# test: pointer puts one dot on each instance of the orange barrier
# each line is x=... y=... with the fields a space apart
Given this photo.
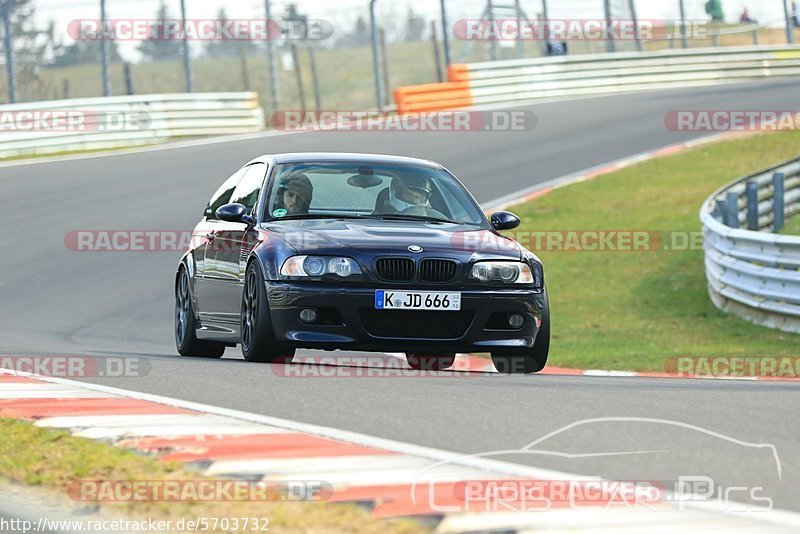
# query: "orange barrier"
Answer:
x=456 y=93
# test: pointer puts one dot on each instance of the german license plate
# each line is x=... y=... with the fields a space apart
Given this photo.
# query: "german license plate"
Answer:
x=388 y=299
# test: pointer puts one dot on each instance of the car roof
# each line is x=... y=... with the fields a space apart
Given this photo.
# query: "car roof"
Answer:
x=318 y=157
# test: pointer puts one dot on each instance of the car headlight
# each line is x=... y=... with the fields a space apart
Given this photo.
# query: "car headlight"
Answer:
x=316 y=266
x=508 y=272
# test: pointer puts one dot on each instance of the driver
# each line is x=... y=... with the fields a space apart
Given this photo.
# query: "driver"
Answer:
x=404 y=194
x=295 y=194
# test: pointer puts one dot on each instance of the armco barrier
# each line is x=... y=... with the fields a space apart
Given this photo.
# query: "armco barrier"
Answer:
x=122 y=121
x=752 y=272
x=508 y=82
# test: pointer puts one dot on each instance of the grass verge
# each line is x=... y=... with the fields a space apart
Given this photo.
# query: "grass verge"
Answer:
x=635 y=310
x=792 y=226
x=51 y=459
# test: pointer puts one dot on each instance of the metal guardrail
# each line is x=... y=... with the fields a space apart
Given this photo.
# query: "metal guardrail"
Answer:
x=121 y=121
x=509 y=82
x=752 y=272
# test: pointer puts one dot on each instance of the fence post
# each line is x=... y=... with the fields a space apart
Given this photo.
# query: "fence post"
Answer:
x=65 y=88
x=636 y=29
x=126 y=71
x=273 y=71
x=312 y=58
x=789 y=23
x=376 y=60
x=436 y=54
x=492 y=42
x=752 y=205
x=732 y=209
x=610 y=44
x=684 y=38
x=445 y=34
x=520 y=22
x=778 y=206
x=385 y=61
x=105 y=52
x=187 y=59
x=301 y=93
x=9 y=50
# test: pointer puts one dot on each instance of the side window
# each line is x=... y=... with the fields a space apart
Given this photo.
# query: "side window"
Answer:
x=223 y=195
x=247 y=191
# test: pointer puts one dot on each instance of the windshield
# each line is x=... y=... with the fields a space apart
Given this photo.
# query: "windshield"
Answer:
x=385 y=191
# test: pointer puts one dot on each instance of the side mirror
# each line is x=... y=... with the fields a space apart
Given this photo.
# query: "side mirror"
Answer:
x=504 y=220
x=236 y=213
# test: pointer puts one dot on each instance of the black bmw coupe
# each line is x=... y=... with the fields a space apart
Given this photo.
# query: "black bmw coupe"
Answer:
x=358 y=252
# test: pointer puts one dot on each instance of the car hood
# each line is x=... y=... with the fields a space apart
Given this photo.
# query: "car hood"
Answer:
x=375 y=237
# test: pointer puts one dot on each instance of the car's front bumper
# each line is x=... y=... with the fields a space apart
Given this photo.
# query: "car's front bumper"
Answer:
x=358 y=328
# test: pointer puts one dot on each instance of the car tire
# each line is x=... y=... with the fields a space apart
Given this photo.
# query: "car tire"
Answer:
x=186 y=324
x=258 y=339
x=531 y=360
x=440 y=362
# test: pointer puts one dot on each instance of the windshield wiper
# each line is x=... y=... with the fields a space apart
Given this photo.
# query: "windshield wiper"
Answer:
x=312 y=216
x=391 y=217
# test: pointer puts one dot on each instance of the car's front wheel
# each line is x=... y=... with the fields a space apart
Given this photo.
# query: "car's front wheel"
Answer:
x=420 y=362
x=530 y=360
x=258 y=339
x=186 y=324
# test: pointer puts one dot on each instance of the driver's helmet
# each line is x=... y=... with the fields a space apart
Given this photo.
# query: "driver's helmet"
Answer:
x=420 y=188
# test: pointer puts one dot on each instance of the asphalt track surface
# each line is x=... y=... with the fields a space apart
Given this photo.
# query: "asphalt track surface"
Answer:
x=54 y=301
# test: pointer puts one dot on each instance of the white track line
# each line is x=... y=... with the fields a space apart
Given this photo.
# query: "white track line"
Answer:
x=776 y=517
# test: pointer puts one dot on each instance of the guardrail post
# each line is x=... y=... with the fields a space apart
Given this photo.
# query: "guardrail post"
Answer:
x=778 y=206
x=722 y=211
x=752 y=206
x=755 y=36
x=732 y=209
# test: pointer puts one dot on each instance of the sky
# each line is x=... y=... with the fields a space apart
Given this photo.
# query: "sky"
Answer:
x=342 y=13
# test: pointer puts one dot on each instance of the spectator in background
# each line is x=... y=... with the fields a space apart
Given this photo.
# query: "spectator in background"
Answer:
x=745 y=17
